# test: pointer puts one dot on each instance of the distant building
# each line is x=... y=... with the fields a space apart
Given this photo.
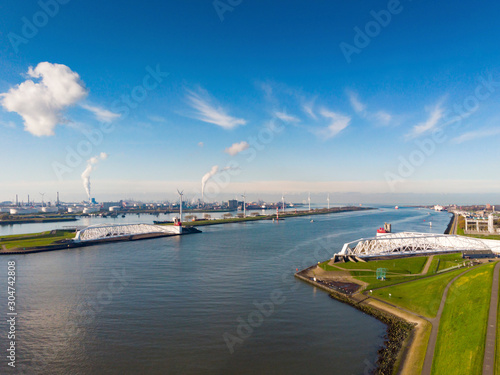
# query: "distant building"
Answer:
x=488 y=207
x=232 y=204
x=107 y=205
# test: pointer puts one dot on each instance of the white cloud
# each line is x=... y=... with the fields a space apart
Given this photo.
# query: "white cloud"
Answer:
x=308 y=107
x=283 y=116
x=435 y=116
x=211 y=113
x=356 y=104
x=41 y=104
x=381 y=117
x=201 y=144
x=477 y=134
x=100 y=113
x=157 y=118
x=236 y=148
x=338 y=123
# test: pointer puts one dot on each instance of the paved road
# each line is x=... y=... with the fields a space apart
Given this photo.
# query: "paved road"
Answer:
x=429 y=355
x=491 y=332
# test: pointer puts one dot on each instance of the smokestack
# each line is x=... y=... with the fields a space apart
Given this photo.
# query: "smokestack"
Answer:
x=28 y=199
x=57 y=204
x=17 y=201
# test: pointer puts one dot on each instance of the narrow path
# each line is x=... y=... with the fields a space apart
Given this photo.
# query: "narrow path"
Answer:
x=429 y=355
x=427 y=265
x=491 y=330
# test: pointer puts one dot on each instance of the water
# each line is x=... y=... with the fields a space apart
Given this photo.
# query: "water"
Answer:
x=163 y=306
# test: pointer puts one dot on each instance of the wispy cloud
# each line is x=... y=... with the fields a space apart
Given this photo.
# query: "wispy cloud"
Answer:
x=283 y=116
x=157 y=118
x=383 y=117
x=436 y=113
x=380 y=117
x=210 y=112
x=236 y=148
x=308 y=107
x=100 y=113
x=476 y=134
x=356 y=104
x=338 y=122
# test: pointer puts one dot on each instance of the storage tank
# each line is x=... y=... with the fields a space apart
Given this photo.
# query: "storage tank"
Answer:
x=50 y=209
x=89 y=210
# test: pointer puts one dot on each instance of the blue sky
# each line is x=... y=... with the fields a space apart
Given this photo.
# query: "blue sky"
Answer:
x=265 y=91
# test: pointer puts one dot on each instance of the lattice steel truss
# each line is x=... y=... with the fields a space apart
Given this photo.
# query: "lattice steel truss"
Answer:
x=104 y=231
x=409 y=242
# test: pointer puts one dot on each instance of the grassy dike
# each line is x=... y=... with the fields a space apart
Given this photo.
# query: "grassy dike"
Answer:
x=25 y=241
x=414 y=299
x=497 y=361
x=462 y=330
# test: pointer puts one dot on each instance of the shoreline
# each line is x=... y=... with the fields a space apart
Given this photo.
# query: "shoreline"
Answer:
x=400 y=334
x=405 y=330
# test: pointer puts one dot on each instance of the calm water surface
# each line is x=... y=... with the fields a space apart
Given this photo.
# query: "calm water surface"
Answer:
x=165 y=306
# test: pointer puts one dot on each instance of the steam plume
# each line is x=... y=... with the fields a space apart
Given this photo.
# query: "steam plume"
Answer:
x=90 y=167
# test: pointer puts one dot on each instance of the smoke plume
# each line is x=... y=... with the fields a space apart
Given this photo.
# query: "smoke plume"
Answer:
x=215 y=170
x=91 y=163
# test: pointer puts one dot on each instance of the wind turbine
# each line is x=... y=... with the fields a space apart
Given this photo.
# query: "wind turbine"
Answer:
x=328 y=199
x=42 y=194
x=309 y=199
x=180 y=205
x=244 y=205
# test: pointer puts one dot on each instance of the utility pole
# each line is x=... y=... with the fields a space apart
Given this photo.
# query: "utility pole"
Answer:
x=180 y=206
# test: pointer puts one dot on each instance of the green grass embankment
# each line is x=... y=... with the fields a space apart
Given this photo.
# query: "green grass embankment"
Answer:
x=421 y=296
x=442 y=262
x=35 y=239
x=462 y=330
x=398 y=270
x=410 y=265
x=497 y=357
